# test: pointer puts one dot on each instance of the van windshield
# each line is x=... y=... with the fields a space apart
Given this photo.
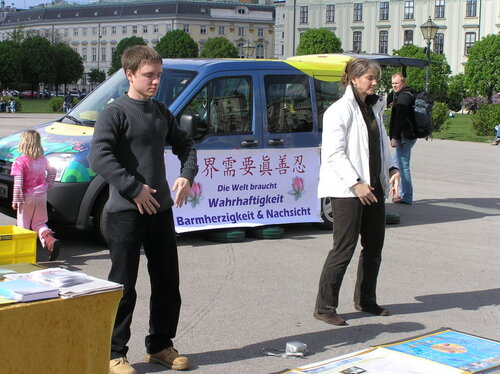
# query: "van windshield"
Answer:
x=173 y=82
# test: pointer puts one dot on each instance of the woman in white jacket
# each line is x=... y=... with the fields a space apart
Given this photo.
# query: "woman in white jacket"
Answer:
x=357 y=173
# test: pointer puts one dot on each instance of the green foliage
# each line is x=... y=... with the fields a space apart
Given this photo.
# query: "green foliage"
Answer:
x=415 y=77
x=482 y=70
x=116 y=63
x=36 y=57
x=56 y=103
x=485 y=119
x=177 y=44
x=457 y=91
x=440 y=117
x=316 y=41
x=219 y=48
x=10 y=62
x=68 y=65
x=17 y=35
x=96 y=76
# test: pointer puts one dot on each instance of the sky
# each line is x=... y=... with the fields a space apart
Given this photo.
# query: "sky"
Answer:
x=25 y=4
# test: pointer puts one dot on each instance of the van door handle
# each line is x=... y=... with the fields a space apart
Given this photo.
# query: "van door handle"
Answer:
x=275 y=142
x=249 y=143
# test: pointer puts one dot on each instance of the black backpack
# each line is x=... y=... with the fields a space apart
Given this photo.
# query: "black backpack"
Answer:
x=422 y=125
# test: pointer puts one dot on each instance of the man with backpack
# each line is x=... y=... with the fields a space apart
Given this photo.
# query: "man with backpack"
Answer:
x=402 y=135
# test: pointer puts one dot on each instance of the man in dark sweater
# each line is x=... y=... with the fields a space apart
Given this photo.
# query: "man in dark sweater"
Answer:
x=127 y=150
x=400 y=133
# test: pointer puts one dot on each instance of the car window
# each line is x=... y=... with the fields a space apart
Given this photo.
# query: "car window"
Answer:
x=288 y=101
x=173 y=82
x=222 y=106
x=326 y=94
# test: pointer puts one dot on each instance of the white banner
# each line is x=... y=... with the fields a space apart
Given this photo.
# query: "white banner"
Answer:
x=245 y=188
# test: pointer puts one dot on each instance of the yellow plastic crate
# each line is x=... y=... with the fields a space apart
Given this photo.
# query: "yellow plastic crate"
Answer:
x=17 y=245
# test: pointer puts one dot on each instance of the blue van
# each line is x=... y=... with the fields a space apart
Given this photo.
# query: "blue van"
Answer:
x=257 y=127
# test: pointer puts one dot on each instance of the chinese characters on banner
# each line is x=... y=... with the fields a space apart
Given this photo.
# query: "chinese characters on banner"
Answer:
x=244 y=188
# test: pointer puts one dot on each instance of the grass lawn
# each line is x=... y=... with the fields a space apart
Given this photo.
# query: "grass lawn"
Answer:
x=35 y=106
x=460 y=128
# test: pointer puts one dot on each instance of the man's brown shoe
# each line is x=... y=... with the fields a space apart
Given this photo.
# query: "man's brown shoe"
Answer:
x=121 y=366
x=332 y=318
x=170 y=358
x=372 y=309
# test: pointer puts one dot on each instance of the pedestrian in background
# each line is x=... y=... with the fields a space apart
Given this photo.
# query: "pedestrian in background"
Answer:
x=127 y=150
x=402 y=138
x=356 y=173
x=33 y=176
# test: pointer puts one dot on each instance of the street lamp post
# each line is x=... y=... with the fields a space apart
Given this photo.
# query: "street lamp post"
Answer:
x=247 y=49
x=429 y=30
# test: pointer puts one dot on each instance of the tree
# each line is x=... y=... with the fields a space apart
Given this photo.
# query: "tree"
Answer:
x=116 y=63
x=415 y=77
x=219 y=48
x=482 y=70
x=315 y=41
x=10 y=63
x=177 y=44
x=457 y=91
x=17 y=35
x=37 y=57
x=96 y=76
x=69 y=64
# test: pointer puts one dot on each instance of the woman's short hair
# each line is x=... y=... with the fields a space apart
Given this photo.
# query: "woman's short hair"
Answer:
x=357 y=67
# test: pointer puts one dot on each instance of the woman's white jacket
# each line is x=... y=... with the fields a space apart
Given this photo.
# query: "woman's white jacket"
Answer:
x=344 y=148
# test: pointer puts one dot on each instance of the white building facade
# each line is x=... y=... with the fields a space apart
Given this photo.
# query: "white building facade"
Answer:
x=94 y=30
x=378 y=26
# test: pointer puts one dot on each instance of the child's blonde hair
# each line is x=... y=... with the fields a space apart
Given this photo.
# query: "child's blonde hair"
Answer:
x=31 y=144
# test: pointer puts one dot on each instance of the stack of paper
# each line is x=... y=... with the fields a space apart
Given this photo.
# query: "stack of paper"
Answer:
x=25 y=290
x=58 y=277
x=90 y=286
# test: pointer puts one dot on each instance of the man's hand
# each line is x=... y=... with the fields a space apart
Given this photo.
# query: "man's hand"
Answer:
x=365 y=194
x=394 y=183
x=145 y=200
x=182 y=187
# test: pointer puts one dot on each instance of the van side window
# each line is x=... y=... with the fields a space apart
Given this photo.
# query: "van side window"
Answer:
x=223 y=106
x=326 y=94
x=288 y=102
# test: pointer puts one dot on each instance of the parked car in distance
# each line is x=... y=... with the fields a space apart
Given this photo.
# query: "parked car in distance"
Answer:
x=27 y=94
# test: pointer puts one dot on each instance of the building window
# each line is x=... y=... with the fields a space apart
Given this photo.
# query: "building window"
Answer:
x=144 y=29
x=439 y=9
x=155 y=29
x=439 y=43
x=75 y=31
x=259 y=51
x=384 y=11
x=471 y=8
x=66 y=32
x=222 y=30
x=94 y=54
x=83 y=80
x=103 y=30
x=134 y=29
x=304 y=14
x=203 y=29
x=124 y=29
x=84 y=53
x=241 y=31
x=330 y=13
x=470 y=39
x=408 y=37
x=113 y=29
x=94 y=30
x=356 y=41
x=358 y=12
x=260 y=32
x=168 y=28
x=409 y=9
x=84 y=31
x=113 y=49
x=383 y=41
x=185 y=28
x=103 y=53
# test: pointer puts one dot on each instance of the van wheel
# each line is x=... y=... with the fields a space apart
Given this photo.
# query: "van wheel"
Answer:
x=99 y=217
x=326 y=214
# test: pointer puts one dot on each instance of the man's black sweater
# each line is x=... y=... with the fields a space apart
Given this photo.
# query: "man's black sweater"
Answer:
x=127 y=150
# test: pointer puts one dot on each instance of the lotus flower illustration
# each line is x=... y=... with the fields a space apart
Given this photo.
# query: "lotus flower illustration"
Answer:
x=195 y=194
x=297 y=188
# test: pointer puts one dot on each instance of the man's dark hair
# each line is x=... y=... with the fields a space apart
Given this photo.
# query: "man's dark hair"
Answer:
x=136 y=56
